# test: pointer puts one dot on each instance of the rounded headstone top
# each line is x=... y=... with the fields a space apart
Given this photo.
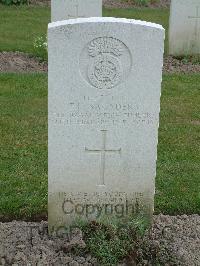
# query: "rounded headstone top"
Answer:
x=104 y=20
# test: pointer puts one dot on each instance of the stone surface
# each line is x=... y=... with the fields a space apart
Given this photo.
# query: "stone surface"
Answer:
x=184 y=34
x=104 y=101
x=68 y=9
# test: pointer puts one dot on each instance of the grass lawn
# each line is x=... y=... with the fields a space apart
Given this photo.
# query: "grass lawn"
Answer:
x=23 y=159
x=21 y=25
x=178 y=167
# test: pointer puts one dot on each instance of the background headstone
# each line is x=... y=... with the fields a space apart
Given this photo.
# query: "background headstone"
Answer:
x=184 y=32
x=104 y=101
x=69 y=9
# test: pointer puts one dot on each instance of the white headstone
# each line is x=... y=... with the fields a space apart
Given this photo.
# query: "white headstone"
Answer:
x=69 y=9
x=184 y=32
x=104 y=101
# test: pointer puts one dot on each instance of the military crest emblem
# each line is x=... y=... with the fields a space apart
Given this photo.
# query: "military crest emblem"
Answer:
x=106 y=62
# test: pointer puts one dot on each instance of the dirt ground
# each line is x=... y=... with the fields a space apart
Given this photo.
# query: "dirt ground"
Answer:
x=18 y=62
x=173 y=240
x=131 y=4
x=115 y=3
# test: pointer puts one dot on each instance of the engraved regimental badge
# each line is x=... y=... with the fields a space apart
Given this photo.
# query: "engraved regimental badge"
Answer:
x=109 y=62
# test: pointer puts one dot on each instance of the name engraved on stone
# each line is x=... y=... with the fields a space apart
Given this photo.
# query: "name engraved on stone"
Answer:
x=104 y=114
x=108 y=62
x=102 y=153
x=196 y=17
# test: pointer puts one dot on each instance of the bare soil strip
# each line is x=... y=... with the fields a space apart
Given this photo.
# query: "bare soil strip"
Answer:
x=116 y=3
x=17 y=62
x=173 y=240
x=132 y=4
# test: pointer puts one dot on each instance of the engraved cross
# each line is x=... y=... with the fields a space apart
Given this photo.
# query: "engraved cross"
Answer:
x=102 y=153
x=197 y=16
x=77 y=13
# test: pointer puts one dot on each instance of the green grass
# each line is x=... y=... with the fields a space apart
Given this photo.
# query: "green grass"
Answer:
x=112 y=241
x=21 y=25
x=23 y=125
x=178 y=167
x=23 y=158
